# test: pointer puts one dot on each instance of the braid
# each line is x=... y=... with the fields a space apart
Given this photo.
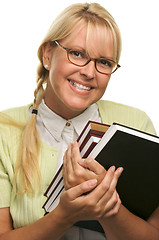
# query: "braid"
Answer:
x=27 y=166
x=38 y=93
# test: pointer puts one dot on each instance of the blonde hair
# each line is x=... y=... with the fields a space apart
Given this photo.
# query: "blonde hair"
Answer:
x=27 y=166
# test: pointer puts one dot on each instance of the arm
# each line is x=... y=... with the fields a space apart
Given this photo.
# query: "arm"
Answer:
x=54 y=224
x=48 y=227
x=125 y=225
x=74 y=206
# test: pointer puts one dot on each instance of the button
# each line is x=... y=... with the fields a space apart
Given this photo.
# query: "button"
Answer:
x=68 y=124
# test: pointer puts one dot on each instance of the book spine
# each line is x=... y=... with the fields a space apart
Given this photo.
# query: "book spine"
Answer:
x=56 y=200
x=54 y=182
x=89 y=149
x=87 y=137
x=55 y=193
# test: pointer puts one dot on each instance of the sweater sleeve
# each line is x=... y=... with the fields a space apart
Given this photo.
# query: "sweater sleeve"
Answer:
x=5 y=183
x=114 y=112
x=9 y=144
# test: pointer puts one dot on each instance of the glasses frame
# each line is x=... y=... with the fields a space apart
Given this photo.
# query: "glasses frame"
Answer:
x=91 y=59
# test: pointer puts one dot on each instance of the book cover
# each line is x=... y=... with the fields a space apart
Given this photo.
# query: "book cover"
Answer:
x=138 y=153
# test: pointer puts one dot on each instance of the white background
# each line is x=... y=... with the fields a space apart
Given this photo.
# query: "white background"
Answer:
x=24 y=23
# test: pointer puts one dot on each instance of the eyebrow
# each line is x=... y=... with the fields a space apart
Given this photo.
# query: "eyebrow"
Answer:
x=84 y=50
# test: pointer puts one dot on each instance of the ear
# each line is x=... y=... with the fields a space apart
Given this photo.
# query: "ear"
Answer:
x=47 y=55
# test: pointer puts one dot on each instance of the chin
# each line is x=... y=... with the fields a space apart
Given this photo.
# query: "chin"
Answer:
x=78 y=109
x=79 y=106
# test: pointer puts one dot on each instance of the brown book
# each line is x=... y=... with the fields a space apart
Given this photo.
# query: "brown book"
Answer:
x=94 y=129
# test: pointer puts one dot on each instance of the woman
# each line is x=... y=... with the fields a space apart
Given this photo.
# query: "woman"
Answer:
x=77 y=57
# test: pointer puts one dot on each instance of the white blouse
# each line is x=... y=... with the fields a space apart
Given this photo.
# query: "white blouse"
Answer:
x=58 y=132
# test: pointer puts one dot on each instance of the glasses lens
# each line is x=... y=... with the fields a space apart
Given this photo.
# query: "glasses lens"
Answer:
x=80 y=58
x=105 y=66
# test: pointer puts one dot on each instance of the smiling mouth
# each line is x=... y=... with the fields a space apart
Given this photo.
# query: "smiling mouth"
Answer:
x=80 y=86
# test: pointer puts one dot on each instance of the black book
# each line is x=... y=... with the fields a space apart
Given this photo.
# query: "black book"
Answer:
x=138 y=153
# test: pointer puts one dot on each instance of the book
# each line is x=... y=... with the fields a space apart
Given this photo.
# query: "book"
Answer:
x=54 y=183
x=89 y=145
x=93 y=129
x=89 y=137
x=53 y=192
x=138 y=153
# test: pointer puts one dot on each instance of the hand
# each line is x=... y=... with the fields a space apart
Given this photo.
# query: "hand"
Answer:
x=102 y=202
x=77 y=170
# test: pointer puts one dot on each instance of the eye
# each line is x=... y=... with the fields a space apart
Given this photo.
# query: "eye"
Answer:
x=76 y=54
x=105 y=63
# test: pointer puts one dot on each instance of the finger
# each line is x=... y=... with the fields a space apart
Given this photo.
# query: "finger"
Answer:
x=64 y=165
x=113 y=210
x=68 y=157
x=108 y=178
x=110 y=204
x=67 y=164
x=76 y=170
x=109 y=187
x=76 y=156
x=110 y=181
x=117 y=174
x=104 y=186
x=92 y=165
x=80 y=189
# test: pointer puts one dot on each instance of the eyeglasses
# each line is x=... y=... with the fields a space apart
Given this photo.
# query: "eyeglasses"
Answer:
x=81 y=58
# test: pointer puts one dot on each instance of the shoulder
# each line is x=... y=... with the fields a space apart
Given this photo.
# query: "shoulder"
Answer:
x=114 y=106
x=113 y=109
x=12 y=122
x=19 y=114
x=130 y=116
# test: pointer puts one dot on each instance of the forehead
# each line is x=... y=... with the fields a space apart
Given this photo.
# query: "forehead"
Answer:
x=98 y=41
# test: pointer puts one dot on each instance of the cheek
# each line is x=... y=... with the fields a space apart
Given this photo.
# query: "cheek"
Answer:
x=60 y=69
x=103 y=83
x=55 y=72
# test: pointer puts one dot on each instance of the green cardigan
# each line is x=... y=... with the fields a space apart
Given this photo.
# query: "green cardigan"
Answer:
x=25 y=209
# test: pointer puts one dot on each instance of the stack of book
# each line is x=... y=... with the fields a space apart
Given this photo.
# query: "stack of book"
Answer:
x=137 y=152
x=88 y=139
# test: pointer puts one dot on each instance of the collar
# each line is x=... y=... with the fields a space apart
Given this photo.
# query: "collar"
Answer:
x=91 y=113
x=56 y=124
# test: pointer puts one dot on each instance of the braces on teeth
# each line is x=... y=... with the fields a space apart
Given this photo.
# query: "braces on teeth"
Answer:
x=80 y=86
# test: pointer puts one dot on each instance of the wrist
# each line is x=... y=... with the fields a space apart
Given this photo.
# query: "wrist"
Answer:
x=62 y=218
x=111 y=216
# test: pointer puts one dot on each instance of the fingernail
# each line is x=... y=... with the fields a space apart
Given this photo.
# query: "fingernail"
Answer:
x=112 y=168
x=120 y=169
x=92 y=182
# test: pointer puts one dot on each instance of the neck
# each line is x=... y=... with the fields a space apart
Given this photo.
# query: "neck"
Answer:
x=64 y=113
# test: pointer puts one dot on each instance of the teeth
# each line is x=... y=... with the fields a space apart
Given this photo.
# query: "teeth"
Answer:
x=80 y=86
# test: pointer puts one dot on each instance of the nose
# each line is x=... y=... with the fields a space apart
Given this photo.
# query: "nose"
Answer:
x=88 y=70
